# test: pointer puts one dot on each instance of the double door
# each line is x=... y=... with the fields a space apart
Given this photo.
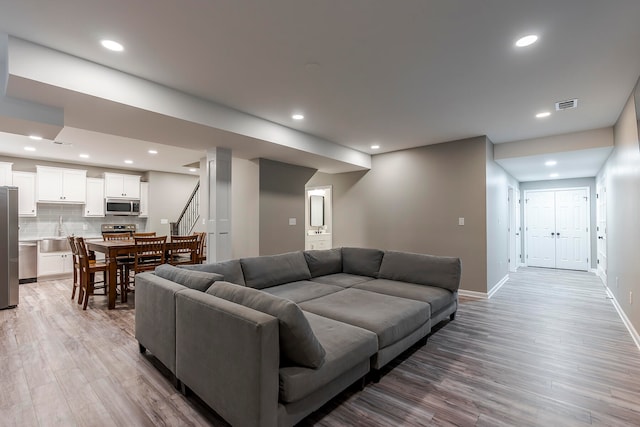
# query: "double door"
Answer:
x=557 y=228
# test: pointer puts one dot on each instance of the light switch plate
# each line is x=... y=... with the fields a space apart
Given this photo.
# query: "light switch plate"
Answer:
x=460 y=221
x=292 y=221
x=164 y=221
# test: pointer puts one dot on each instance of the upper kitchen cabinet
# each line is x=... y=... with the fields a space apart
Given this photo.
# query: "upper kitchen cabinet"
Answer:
x=26 y=183
x=95 y=197
x=144 y=199
x=5 y=174
x=121 y=186
x=58 y=185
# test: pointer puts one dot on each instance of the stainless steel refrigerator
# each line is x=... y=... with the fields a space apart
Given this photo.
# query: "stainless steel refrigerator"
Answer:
x=8 y=247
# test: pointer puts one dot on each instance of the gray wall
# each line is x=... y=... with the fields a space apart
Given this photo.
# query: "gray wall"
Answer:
x=497 y=188
x=168 y=194
x=411 y=200
x=282 y=193
x=245 y=202
x=565 y=183
x=622 y=171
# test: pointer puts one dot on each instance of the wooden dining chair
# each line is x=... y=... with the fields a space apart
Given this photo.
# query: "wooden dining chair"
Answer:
x=183 y=250
x=202 y=246
x=124 y=262
x=146 y=234
x=88 y=269
x=149 y=253
x=76 y=265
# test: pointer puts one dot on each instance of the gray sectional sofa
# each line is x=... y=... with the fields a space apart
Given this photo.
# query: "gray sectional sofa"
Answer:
x=266 y=341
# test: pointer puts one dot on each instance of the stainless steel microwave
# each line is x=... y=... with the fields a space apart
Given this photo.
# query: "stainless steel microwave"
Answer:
x=122 y=207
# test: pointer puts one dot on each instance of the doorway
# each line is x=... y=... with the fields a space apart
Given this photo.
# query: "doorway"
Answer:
x=514 y=242
x=557 y=228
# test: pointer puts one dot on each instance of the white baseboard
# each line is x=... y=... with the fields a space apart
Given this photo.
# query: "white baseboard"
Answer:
x=594 y=271
x=625 y=319
x=472 y=294
x=497 y=286
x=484 y=295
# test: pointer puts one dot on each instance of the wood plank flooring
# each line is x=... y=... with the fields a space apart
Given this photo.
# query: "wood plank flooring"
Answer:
x=547 y=350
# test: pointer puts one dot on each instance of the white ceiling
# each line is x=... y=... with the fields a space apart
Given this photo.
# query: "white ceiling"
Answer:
x=397 y=74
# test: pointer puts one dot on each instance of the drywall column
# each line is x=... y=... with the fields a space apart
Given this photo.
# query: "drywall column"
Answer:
x=219 y=212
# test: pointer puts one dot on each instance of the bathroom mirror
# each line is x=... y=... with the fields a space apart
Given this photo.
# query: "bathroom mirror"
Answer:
x=316 y=208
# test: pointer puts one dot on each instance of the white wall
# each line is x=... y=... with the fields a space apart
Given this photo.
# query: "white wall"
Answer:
x=497 y=237
x=168 y=195
x=622 y=171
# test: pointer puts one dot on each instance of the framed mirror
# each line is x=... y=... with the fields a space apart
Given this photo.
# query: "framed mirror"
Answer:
x=316 y=208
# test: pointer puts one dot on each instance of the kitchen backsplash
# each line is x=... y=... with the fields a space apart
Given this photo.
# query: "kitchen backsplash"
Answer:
x=46 y=224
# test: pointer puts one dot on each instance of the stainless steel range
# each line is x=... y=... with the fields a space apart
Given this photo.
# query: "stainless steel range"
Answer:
x=118 y=228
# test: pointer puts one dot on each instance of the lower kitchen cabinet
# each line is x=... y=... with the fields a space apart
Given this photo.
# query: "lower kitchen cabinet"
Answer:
x=54 y=263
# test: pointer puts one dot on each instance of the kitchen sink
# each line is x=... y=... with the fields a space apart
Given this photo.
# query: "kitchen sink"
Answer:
x=56 y=244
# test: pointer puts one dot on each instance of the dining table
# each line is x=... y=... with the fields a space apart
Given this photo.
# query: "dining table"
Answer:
x=112 y=249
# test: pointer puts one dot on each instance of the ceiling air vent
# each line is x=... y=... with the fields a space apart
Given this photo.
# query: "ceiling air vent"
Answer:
x=566 y=105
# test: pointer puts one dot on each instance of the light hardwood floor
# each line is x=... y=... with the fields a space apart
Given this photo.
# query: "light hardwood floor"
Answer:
x=547 y=350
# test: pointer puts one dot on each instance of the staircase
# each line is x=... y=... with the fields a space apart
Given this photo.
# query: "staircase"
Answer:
x=189 y=216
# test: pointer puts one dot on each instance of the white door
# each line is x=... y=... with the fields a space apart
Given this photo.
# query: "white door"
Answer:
x=540 y=226
x=518 y=229
x=557 y=229
x=572 y=229
x=601 y=219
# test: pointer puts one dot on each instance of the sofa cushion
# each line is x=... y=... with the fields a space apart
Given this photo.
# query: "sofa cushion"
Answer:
x=324 y=262
x=198 y=280
x=301 y=291
x=265 y=271
x=298 y=343
x=346 y=346
x=440 y=271
x=344 y=280
x=231 y=270
x=361 y=261
x=391 y=318
x=438 y=298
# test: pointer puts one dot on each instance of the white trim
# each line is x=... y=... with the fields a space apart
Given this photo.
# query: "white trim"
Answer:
x=472 y=294
x=625 y=319
x=594 y=271
x=525 y=236
x=497 y=286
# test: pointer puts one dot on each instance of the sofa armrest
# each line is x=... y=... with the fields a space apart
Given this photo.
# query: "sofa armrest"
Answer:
x=156 y=316
x=228 y=354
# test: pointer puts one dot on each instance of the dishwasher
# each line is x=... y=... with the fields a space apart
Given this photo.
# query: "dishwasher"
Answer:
x=27 y=262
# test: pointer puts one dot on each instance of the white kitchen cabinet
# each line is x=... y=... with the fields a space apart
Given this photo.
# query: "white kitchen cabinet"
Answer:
x=5 y=174
x=58 y=185
x=118 y=186
x=95 y=197
x=144 y=199
x=54 y=263
x=26 y=183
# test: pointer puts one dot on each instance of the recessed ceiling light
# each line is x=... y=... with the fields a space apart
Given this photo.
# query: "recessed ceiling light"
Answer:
x=553 y=175
x=550 y=163
x=30 y=148
x=375 y=147
x=152 y=151
x=35 y=137
x=111 y=45
x=192 y=169
x=297 y=117
x=129 y=162
x=527 y=40
x=543 y=114
x=84 y=156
